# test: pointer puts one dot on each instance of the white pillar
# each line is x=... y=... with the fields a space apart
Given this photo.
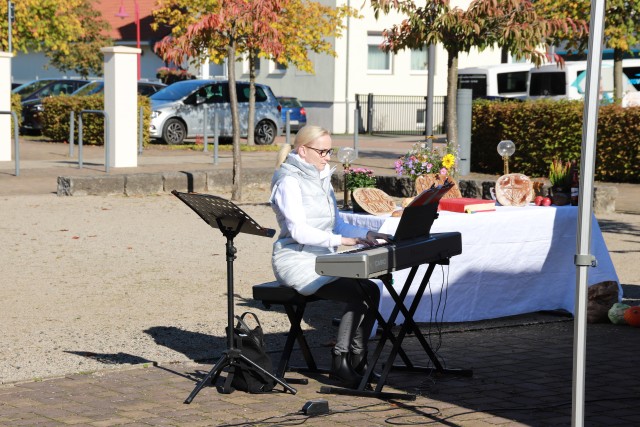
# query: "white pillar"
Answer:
x=6 y=129
x=121 y=104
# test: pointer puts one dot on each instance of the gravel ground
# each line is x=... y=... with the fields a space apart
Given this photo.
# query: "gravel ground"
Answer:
x=95 y=283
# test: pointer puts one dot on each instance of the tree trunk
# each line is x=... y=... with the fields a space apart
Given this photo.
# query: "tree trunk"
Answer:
x=452 y=91
x=618 y=89
x=236 y=183
x=251 y=125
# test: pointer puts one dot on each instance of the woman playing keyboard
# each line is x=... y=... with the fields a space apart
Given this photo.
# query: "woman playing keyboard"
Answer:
x=306 y=209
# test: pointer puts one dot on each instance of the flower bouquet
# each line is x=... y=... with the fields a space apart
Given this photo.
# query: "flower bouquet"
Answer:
x=422 y=160
x=428 y=166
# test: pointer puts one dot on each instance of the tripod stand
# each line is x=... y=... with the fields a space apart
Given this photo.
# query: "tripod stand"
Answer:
x=231 y=220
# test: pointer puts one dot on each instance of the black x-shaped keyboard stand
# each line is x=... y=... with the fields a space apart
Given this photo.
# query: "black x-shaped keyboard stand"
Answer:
x=396 y=340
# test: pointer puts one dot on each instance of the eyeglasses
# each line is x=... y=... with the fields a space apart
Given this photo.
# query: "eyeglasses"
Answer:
x=323 y=153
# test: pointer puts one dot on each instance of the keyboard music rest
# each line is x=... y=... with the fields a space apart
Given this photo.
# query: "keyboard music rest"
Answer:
x=379 y=260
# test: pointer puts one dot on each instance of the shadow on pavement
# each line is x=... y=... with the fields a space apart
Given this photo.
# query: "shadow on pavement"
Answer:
x=194 y=345
x=611 y=226
x=112 y=358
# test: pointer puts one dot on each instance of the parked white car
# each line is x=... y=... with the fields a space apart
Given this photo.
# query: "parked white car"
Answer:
x=178 y=111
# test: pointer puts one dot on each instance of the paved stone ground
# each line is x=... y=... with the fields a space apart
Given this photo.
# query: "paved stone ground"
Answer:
x=522 y=375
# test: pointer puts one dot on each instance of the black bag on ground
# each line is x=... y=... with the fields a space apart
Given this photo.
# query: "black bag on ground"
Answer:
x=250 y=342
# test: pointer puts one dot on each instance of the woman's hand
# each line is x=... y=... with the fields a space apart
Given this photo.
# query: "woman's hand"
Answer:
x=371 y=239
x=374 y=236
x=352 y=241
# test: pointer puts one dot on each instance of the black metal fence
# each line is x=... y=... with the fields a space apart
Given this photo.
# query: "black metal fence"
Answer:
x=398 y=115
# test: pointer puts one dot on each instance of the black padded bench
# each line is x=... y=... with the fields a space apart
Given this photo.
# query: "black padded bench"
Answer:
x=272 y=293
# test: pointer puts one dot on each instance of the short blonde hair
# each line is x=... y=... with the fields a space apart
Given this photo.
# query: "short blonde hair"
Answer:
x=308 y=134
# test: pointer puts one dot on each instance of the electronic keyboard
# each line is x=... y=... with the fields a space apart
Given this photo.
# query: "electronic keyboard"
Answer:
x=373 y=261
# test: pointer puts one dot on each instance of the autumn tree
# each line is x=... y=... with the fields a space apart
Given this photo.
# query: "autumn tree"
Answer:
x=218 y=32
x=621 y=23
x=53 y=27
x=84 y=56
x=282 y=30
x=513 y=25
x=302 y=26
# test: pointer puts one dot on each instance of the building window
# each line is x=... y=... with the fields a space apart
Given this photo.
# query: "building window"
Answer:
x=420 y=58
x=245 y=64
x=277 y=68
x=378 y=61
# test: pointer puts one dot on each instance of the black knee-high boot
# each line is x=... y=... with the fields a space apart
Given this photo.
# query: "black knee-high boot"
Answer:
x=342 y=371
x=358 y=362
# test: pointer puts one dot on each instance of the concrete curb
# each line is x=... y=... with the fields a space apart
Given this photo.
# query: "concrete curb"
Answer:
x=206 y=180
x=154 y=183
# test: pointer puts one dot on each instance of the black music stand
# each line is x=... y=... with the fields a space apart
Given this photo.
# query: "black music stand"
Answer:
x=231 y=220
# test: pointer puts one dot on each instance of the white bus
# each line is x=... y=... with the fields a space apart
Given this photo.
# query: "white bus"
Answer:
x=499 y=80
x=568 y=81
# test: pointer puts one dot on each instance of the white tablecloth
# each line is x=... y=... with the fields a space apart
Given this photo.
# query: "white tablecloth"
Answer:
x=513 y=261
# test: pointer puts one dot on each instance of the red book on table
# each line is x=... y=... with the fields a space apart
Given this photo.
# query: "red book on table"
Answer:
x=466 y=205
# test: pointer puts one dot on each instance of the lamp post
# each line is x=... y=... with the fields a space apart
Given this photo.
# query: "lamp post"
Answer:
x=506 y=149
x=122 y=13
x=346 y=155
x=11 y=15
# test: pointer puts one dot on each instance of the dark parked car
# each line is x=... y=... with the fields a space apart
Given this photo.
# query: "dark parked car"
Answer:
x=145 y=88
x=38 y=89
x=297 y=115
x=26 y=89
x=32 y=94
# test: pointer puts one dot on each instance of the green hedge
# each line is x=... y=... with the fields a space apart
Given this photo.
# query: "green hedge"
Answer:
x=57 y=109
x=544 y=130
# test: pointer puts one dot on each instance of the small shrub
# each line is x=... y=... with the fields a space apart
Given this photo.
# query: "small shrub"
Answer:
x=57 y=111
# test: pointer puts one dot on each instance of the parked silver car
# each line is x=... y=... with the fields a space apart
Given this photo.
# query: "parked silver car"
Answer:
x=178 y=111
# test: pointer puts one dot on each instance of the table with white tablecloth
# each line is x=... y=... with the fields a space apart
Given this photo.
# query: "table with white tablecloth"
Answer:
x=515 y=260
